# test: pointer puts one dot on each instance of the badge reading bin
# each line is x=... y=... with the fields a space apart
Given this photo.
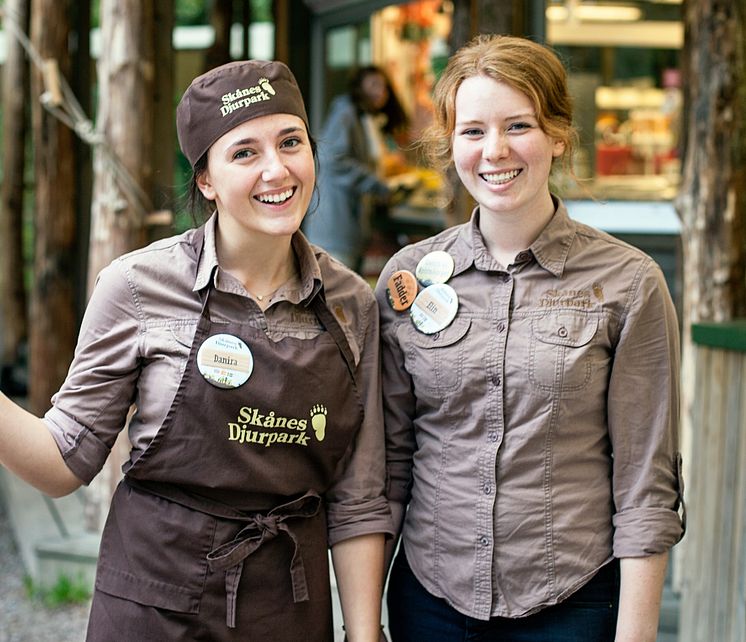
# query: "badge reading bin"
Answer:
x=225 y=361
x=401 y=289
x=435 y=267
x=434 y=308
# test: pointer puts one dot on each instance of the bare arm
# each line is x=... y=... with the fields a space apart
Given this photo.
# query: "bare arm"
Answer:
x=640 y=597
x=358 y=566
x=28 y=450
x=398 y=511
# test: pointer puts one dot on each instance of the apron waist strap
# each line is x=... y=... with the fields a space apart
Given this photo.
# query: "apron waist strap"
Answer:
x=259 y=529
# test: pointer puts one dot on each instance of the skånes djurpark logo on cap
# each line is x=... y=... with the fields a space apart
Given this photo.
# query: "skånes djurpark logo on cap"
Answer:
x=234 y=100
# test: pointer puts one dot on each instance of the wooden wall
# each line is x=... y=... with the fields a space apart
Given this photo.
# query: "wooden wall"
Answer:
x=713 y=565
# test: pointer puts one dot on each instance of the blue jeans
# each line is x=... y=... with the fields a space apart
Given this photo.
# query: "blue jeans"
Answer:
x=588 y=615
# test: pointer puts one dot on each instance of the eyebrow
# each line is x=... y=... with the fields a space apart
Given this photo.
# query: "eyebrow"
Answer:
x=476 y=121
x=251 y=141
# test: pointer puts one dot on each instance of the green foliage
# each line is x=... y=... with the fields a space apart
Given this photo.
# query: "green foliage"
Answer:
x=65 y=591
x=261 y=11
x=186 y=12
x=196 y=12
x=190 y=12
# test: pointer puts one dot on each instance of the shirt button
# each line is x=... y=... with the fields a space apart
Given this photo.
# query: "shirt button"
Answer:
x=487 y=489
x=492 y=435
x=562 y=331
x=496 y=380
x=484 y=540
x=501 y=327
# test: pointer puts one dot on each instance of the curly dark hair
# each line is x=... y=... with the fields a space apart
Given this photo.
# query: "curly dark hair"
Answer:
x=396 y=117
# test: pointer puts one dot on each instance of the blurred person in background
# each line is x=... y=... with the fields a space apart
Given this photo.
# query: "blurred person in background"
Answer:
x=354 y=159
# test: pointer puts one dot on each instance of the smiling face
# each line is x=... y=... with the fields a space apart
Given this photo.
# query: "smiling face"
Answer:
x=501 y=155
x=261 y=176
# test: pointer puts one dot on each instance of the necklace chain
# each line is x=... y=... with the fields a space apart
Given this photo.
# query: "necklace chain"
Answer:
x=261 y=297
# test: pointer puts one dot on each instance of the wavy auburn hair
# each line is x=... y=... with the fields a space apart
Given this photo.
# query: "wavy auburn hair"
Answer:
x=522 y=64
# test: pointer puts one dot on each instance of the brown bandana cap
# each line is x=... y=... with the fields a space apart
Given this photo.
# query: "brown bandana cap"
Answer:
x=224 y=97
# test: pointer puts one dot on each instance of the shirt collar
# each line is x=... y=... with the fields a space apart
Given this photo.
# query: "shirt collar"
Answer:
x=208 y=259
x=550 y=248
x=308 y=265
x=553 y=244
x=310 y=272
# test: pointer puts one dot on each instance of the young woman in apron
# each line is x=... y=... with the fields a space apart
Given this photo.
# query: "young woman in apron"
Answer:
x=252 y=360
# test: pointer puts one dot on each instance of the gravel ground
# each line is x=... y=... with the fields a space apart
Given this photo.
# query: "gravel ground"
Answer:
x=29 y=620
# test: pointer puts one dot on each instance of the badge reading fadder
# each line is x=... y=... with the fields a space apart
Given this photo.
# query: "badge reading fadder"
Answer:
x=225 y=361
x=434 y=308
x=401 y=289
x=434 y=267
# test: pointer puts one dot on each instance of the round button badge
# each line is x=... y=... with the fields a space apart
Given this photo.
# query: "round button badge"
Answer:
x=401 y=289
x=225 y=361
x=434 y=308
x=435 y=267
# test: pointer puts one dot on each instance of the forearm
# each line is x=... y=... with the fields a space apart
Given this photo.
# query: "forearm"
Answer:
x=358 y=566
x=28 y=450
x=640 y=597
x=398 y=511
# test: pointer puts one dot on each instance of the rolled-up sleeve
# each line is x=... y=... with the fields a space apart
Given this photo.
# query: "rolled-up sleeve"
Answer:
x=91 y=407
x=643 y=415
x=356 y=503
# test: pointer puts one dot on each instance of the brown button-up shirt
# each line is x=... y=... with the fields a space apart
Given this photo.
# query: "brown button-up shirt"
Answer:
x=135 y=340
x=535 y=437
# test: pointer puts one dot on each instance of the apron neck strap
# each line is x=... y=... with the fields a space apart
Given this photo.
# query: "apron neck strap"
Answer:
x=330 y=323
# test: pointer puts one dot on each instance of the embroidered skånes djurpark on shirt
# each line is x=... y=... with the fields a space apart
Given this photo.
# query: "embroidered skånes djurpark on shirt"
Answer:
x=500 y=427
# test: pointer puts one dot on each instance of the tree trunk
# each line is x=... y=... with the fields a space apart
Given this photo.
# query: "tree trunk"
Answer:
x=126 y=71
x=163 y=122
x=711 y=201
x=13 y=317
x=221 y=18
x=53 y=319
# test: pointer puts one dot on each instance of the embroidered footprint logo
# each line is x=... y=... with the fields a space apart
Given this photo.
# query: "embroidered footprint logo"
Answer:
x=318 y=421
x=264 y=84
x=598 y=291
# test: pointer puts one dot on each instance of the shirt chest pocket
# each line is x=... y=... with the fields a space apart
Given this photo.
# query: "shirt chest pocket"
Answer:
x=435 y=361
x=560 y=359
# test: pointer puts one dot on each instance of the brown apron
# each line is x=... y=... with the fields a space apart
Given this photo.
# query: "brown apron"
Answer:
x=218 y=530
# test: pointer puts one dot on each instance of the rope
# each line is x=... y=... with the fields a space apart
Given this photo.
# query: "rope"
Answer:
x=60 y=101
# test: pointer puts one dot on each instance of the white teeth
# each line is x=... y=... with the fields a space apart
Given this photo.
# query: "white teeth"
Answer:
x=502 y=177
x=275 y=198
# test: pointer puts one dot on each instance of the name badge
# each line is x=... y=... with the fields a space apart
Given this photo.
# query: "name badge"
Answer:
x=434 y=308
x=434 y=267
x=401 y=289
x=225 y=361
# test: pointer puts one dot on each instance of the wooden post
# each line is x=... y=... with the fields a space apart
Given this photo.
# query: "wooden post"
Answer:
x=126 y=72
x=713 y=603
x=13 y=317
x=221 y=18
x=712 y=201
x=164 y=119
x=53 y=320
x=712 y=207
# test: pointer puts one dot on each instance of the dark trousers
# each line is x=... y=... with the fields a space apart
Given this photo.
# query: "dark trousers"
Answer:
x=589 y=615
